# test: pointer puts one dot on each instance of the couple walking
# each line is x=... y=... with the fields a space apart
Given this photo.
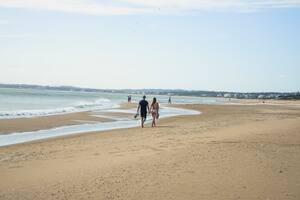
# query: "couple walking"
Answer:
x=144 y=109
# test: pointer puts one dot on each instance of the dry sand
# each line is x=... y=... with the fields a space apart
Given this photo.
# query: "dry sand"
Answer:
x=233 y=101
x=228 y=152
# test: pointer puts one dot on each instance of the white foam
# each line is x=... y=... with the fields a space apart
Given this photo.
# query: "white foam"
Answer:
x=99 y=104
x=16 y=138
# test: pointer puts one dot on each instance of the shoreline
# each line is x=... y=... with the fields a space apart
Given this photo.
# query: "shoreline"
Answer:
x=70 y=124
x=43 y=128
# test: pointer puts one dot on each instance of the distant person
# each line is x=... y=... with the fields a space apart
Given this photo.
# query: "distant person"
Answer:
x=129 y=99
x=143 y=108
x=154 y=108
x=169 y=101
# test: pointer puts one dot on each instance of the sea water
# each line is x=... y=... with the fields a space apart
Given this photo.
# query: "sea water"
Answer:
x=18 y=103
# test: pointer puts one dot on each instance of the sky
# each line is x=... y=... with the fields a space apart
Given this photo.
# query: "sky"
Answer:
x=229 y=45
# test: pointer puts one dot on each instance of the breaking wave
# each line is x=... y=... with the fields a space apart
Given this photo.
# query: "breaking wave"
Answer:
x=81 y=106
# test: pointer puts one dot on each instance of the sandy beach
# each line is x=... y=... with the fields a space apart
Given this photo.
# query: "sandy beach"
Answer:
x=245 y=151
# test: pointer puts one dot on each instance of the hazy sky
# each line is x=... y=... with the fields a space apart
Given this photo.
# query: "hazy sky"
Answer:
x=232 y=45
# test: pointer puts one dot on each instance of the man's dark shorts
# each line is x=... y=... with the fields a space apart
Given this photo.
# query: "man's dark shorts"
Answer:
x=144 y=114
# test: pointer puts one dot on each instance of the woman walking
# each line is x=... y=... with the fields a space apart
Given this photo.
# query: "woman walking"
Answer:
x=154 y=108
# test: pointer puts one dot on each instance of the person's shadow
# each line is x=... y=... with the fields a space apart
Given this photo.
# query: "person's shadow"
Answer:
x=164 y=126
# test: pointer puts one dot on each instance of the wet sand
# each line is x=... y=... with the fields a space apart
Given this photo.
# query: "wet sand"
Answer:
x=39 y=123
x=227 y=152
x=47 y=122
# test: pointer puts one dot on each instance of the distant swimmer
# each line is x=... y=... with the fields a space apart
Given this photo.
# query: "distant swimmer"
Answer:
x=154 y=108
x=169 y=101
x=143 y=108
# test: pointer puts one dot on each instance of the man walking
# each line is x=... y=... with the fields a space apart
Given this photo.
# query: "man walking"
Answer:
x=143 y=108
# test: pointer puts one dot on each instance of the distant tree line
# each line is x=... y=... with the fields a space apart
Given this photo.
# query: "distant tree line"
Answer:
x=169 y=92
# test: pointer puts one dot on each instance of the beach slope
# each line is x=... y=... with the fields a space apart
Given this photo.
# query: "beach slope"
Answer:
x=227 y=152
